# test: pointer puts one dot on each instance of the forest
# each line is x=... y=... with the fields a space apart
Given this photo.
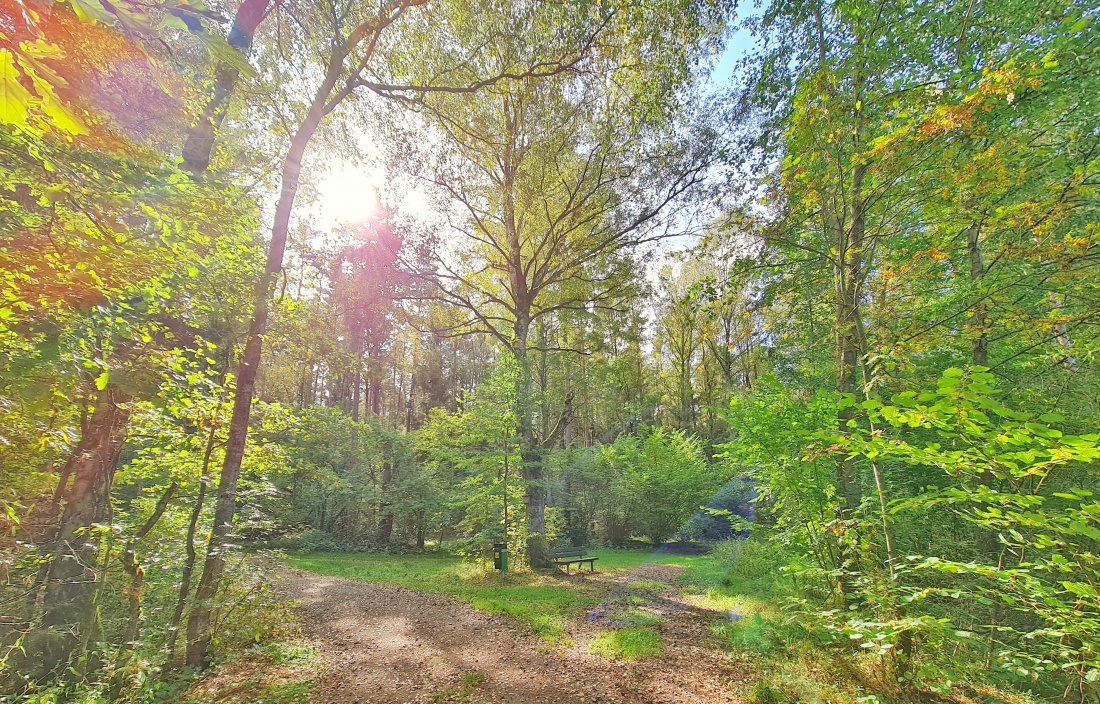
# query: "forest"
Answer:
x=788 y=312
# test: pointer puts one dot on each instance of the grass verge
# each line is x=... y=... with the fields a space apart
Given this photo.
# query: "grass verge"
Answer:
x=629 y=644
x=278 y=673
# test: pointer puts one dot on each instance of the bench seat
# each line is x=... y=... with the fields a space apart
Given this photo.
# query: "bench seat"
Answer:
x=572 y=556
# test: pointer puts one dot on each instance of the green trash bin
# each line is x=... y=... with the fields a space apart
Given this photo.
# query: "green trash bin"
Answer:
x=500 y=556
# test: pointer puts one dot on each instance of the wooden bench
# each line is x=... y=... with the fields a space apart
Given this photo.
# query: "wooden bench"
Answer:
x=572 y=556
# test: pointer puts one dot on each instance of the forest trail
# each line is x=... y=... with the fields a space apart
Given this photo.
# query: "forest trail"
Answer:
x=379 y=643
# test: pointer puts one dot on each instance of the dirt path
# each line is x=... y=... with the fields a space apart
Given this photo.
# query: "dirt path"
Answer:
x=379 y=643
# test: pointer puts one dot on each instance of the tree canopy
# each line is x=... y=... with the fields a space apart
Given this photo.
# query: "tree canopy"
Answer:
x=615 y=256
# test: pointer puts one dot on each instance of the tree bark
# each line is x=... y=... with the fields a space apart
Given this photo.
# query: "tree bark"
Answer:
x=979 y=356
x=198 y=625
x=979 y=343
x=847 y=352
x=189 y=546
x=73 y=575
x=134 y=591
x=199 y=145
x=385 y=506
x=849 y=288
x=532 y=469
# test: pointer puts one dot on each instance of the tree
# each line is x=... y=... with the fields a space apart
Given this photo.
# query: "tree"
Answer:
x=556 y=179
x=350 y=40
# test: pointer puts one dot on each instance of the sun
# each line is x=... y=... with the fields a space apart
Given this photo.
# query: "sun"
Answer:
x=348 y=193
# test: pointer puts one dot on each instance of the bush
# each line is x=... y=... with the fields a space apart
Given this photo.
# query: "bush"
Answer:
x=314 y=540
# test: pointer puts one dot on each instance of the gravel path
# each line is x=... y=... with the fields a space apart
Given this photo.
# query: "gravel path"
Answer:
x=381 y=643
x=378 y=643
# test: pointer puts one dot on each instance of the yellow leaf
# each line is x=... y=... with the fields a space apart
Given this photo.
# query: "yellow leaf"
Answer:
x=13 y=96
x=62 y=117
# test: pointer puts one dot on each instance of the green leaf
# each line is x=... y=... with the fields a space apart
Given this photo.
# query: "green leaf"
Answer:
x=101 y=380
x=14 y=98
x=92 y=11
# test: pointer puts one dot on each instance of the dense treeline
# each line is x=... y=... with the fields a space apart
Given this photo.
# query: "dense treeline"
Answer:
x=885 y=314
x=925 y=252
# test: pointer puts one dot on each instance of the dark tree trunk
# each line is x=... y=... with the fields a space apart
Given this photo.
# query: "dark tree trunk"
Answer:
x=199 y=145
x=72 y=579
x=979 y=343
x=198 y=625
x=385 y=506
x=979 y=355
x=848 y=289
x=536 y=496
x=189 y=546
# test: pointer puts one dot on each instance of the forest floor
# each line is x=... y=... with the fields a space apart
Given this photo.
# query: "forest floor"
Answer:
x=380 y=643
x=644 y=628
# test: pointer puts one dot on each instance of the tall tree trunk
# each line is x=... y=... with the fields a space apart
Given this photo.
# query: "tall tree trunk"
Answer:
x=199 y=145
x=848 y=353
x=73 y=574
x=357 y=379
x=979 y=342
x=198 y=625
x=979 y=354
x=135 y=590
x=536 y=495
x=849 y=288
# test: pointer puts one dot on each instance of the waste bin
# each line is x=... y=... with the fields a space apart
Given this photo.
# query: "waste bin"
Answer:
x=500 y=556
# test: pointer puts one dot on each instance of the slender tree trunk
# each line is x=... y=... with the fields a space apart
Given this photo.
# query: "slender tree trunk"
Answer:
x=849 y=291
x=135 y=590
x=979 y=354
x=385 y=506
x=979 y=343
x=847 y=352
x=189 y=546
x=198 y=625
x=358 y=378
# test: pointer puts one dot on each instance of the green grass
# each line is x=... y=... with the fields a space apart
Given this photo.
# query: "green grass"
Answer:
x=276 y=673
x=461 y=692
x=630 y=643
x=637 y=617
x=782 y=660
x=544 y=603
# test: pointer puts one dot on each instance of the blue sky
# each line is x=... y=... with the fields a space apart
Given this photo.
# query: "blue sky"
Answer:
x=738 y=44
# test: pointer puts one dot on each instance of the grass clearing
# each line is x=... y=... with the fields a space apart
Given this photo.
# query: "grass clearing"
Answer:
x=543 y=603
x=739 y=579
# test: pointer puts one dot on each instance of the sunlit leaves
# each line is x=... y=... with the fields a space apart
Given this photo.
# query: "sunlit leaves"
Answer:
x=14 y=98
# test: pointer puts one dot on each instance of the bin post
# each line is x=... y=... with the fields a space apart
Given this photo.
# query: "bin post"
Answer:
x=500 y=556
